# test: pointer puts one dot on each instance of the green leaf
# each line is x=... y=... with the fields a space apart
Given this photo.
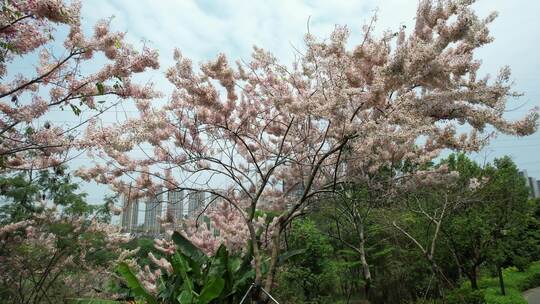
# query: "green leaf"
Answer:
x=219 y=263
x=352 y=264
x=348 y=252
x=211 y=290
x=385 y=251
x=134 y=284
x=91 y=301
x=117 y=44
x=181 y=267
x=188 y=249
x=75 y=109
x=186 y=297
x=289 y=254
x=100 y=88
x=234 y=263
x=7 y=46
x=248 y=256
x=194 y=256
x=246 y=277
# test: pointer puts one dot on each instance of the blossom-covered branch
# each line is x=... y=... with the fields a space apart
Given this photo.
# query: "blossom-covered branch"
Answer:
x=28 y=140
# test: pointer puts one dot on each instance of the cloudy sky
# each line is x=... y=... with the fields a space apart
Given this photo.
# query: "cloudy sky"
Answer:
x=202 y=29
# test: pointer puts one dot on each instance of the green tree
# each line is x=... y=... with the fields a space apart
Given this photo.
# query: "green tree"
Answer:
x=21 y=192
x=488 y=230
x=310 y=276
x=53 y=250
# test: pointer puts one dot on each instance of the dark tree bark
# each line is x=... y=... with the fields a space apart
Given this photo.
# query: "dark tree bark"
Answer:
x=501 y=280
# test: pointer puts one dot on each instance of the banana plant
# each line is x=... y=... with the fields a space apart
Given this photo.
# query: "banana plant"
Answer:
x=196 y=278
x=220 y=278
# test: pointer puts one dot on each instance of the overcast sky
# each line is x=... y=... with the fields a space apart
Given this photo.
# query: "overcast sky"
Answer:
x=202 y=29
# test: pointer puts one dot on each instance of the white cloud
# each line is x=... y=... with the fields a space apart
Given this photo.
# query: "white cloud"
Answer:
x=201 y=29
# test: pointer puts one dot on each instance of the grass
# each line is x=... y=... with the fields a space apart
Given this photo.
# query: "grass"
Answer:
x=515 y=282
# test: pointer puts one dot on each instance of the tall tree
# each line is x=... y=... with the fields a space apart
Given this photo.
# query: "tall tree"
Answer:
x=487 y=230
x=253 y=134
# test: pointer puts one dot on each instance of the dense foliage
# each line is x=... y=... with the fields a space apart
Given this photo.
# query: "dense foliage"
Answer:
x=488 y=226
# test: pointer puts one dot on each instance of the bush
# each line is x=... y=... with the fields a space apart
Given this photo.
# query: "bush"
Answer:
x=312 y=275
x=513 y=296
x=466 y=296
x=515 y=282
x=527 y=279
x=515 y=279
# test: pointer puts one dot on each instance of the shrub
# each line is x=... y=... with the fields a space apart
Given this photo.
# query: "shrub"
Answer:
x=515 y=282
x=466 y=296
x=529 y=278
x=513 y=296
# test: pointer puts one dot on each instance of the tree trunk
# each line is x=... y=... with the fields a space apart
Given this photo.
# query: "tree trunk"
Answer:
x=256 y=254
x=473 y=279
x=273 y=260
x=459 y=266
x=439 y=275
x=363 y=260
x=501 y=280
x=272 y=268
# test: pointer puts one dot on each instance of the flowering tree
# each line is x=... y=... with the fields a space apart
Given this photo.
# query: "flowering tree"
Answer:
x=262 y=136
x=62 y=78
x=52 y=255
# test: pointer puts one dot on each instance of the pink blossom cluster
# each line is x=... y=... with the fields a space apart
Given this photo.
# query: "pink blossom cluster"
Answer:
x=226 y=226
x=149 y=278
x=34 y=246
x=10 y=228
x=165 y=246
x=29 y=26
x=161 y=263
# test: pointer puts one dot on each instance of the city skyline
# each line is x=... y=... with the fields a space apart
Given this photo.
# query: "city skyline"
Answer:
x=181 y=205
x=142 y=215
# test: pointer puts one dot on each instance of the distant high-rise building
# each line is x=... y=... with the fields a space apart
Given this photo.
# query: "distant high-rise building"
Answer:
x=292 y=193
x=153 y=210
x=295 y=191
x=175 y=204
x=214 y=202
x=195 y=202
x=532 y=183
x=523 y=173
x=130 y=215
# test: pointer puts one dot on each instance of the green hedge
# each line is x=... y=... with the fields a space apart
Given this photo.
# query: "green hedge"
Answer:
x=465 y=296
x=515 y=282
x=513 y=296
